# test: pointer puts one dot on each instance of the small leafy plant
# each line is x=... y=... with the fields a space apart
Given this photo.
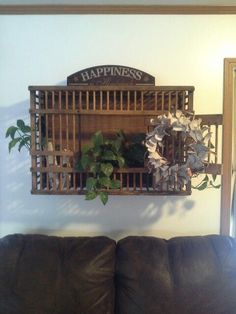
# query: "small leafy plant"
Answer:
x=100 y=159
x=19 y=134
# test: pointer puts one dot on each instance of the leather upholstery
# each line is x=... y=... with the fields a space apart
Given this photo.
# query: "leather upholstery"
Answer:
x=186 y=275
x=140 y=275
x=52 y=275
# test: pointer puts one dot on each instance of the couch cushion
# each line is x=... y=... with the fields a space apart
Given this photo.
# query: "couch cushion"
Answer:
x=185 y=275
x=52 y=275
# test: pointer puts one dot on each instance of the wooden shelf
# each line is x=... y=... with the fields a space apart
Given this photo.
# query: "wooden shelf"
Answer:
x=63 y=119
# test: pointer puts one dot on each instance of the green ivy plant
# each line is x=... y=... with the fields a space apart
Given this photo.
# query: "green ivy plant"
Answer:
x=100 y=158
x=207 y=182
x=134 y=150
x=19 y=135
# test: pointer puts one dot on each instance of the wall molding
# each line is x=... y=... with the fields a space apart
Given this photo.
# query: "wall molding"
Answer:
x=115 y=9
x=226 y=181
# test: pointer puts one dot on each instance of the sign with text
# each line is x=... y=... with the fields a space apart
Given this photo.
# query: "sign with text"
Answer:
x=110 y=75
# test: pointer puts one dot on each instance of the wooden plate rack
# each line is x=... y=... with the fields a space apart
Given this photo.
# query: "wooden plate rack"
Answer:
x=63 y=119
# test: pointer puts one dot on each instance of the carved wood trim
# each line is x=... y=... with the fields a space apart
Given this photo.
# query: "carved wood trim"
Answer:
x=116 y=9
x=229 y=66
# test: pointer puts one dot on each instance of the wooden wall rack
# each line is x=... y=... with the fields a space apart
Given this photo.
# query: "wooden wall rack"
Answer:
x=63 y=119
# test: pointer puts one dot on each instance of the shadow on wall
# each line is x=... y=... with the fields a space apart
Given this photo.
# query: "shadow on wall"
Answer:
x=69 y=214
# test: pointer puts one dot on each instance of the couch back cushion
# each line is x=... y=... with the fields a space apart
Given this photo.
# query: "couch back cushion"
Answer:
x=185 y=275
x=52 y=275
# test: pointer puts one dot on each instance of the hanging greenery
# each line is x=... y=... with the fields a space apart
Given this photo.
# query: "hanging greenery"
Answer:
x=20 y=135
x=100 y=158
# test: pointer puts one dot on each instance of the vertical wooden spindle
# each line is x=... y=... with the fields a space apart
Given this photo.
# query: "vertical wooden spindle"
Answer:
x=67 y=123
x=155 y=100
x=216 y=142
x=169 y=101
x=162 y=101
x=135 y=100
x=108 y=101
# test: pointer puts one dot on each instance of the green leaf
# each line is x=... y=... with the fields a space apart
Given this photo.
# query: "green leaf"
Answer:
x=105 y=182
x=107 y=169
x=96 y=151
x=215 y=186
x=21 y=124
x=85 y=161
x=97 y=139
x=206 y=178
x=211 y=145
x=13 y=143
x=11 y=131
x=94 y=168
x=214 y=176
x=26 y=129
x=108 y=155
x=103 y=197
x=121 y=161
x=115 y=184
x=203 y=186
x=118 y=143
x=79 y=166
x=91 y=183
x=24 y=143
x=85 y=149
x=90 y=195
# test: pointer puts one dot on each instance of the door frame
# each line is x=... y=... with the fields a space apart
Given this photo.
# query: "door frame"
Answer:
x=226 y=184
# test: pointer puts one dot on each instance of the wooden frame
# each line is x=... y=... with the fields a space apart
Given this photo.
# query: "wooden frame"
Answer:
x=116 y=9
x=226 y=197
x=63 y=119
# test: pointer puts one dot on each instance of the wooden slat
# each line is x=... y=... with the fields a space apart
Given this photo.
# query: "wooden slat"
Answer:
x=53 y=119
x=74 y=124
x=111 y=88
x=176 y=99
x=142 y=102
x=210 y=119
x=45 y=152
x=140 y=181
x=117 y=9
x=214 y=169
x=114 y=97
x=163 y=101
x=190 y=99
x=101 y=100
x=67 y=121
x=155 y=101
x=108 y=101
x=113 y=192
x=87 y=100
x=216 y=142
x=121 y=100
x=60 y=121
x=169 y=101
x=33 y=126
x=94 y=100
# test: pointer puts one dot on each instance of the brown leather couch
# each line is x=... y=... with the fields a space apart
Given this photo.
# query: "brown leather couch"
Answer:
x=138 y=275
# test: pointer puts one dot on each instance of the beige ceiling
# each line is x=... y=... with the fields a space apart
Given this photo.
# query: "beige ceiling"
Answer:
x=121 y=2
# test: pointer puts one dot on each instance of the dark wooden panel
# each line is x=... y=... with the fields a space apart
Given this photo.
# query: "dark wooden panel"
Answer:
x=117 y=9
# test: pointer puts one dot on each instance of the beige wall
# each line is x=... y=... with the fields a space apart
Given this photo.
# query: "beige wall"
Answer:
x=43 y=50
